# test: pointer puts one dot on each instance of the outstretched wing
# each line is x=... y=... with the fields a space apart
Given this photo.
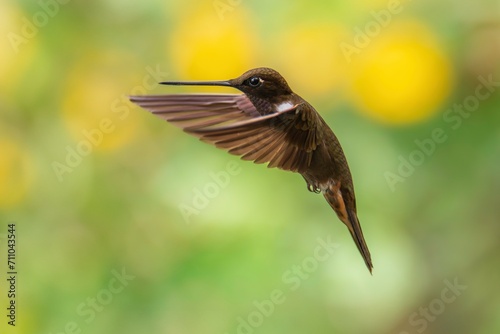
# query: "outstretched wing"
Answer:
x=286 y=139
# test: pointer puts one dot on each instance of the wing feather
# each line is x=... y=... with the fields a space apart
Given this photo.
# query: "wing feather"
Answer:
x=286 y=139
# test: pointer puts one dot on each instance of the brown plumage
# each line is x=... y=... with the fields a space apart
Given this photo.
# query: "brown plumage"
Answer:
x=268 y=124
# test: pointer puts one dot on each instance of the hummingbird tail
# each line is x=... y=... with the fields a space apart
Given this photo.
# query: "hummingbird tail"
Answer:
x=359 y=240
x=348 y=216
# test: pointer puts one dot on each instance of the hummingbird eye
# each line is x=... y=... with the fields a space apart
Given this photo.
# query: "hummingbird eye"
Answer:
x=254 y=82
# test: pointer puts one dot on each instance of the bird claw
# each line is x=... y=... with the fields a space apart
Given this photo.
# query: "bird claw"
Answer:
x=313 y=188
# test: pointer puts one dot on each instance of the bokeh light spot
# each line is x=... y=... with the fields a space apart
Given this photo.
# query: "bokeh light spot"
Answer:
x=205 y=47
x=402 y=76
x=96 y=101
x=16 y=173
x=311 y=57
x=18 y=51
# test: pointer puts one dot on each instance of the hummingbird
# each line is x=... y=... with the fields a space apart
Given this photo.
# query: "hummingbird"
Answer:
x=270 y=124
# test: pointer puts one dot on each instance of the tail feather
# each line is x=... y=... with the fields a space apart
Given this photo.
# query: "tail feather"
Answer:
x=345 y=210
x=359 y=240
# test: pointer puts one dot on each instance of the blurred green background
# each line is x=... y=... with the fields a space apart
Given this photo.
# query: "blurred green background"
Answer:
x=122 y=227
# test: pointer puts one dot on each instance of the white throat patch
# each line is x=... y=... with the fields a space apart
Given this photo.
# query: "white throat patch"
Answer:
x=283 y=106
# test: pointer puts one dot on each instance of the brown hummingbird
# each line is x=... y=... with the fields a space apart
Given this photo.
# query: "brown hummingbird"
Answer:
x=271 y=124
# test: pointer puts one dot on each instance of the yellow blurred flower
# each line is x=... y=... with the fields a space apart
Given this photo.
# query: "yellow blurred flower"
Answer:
x=311 y=58
x=204 y=46
x=20 y=50
x=16 y=173
x=95 y=106
x=402 y=76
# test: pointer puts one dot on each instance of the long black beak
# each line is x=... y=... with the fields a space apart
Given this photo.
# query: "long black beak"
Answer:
x=197 y=83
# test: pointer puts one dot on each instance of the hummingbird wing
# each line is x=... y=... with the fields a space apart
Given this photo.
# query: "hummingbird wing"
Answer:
x=285 y=139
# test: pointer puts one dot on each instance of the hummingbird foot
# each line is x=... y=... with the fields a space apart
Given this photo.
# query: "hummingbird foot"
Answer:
x=312 y=187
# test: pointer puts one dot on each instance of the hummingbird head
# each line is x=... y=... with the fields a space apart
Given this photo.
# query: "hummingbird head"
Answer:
x=262 y=82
